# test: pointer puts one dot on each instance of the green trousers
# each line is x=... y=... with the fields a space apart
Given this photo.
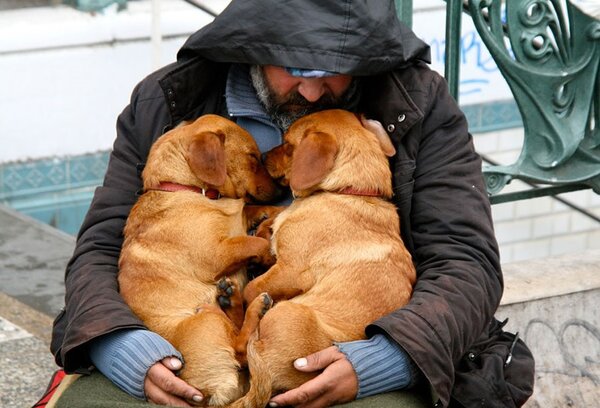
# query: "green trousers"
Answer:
x=96 y=391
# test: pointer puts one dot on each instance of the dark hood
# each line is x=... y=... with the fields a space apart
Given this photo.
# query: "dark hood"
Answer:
x=357 y=37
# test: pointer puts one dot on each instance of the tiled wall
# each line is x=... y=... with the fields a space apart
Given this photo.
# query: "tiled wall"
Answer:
x=58 y=191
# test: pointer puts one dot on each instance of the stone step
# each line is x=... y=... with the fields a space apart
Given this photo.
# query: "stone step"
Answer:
x=554 y=304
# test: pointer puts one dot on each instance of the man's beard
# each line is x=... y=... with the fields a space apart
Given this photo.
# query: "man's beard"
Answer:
x=285 y=112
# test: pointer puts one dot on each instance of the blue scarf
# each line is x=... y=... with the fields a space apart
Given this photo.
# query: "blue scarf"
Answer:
x=246 y=110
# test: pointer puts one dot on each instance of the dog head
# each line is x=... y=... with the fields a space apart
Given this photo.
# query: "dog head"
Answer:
x=333 y=150
x=210 y=153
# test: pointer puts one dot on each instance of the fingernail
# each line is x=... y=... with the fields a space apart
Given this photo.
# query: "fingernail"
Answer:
x=301 y=362
x=197 y=398
x=273 y=404
x=175 y=363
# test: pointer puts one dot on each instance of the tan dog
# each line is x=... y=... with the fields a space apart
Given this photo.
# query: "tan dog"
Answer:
x=188 y=230
x=341 y=263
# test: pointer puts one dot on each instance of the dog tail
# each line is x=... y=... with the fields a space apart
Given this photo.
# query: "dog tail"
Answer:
x=259 y=393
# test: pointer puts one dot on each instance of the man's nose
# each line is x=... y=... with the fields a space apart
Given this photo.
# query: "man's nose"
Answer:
x=311 y=89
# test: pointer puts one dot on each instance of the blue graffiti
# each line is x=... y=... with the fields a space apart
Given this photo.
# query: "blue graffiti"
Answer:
x=471 y=43
x=472 y=86
x=473 y=53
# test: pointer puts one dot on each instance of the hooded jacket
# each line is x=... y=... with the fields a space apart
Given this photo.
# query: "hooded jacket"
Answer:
x=438 y=187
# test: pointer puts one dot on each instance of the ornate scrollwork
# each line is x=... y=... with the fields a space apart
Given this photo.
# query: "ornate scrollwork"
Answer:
x=563 y=97
x=549 y=53
x=534 y=37
x=495 y=181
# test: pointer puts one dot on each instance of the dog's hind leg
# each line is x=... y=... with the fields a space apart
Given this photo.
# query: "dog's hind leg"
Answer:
x=206 y=342
x=255 y=311
x=287 y=332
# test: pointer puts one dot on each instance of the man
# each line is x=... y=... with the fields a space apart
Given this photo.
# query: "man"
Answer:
x=263 y=63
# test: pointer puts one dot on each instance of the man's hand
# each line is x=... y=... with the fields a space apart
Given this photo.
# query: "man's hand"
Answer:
x=163 y=387
x=336 y=384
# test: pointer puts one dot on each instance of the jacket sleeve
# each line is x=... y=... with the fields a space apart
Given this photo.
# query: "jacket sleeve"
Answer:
x=93 y=305
x=459 y=281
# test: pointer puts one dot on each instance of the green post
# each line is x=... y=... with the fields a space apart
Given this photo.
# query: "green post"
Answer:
x=404 y=9
x=452 y=49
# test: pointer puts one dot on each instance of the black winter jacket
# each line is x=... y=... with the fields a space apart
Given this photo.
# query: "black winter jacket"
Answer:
x=438 y=187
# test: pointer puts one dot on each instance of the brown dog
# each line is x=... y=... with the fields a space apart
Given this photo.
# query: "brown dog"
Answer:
x=187 y=231
x=341 y=263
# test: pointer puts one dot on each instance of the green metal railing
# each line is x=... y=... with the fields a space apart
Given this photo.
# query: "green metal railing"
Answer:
x=549 y=53
x=454 y=10
x=404 y=9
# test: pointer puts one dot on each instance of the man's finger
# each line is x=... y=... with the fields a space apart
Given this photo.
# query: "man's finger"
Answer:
x=318 y=360
x=156 y=395
x=307 y=392
x=164 y=379
x=172 y=363
x=336 y=384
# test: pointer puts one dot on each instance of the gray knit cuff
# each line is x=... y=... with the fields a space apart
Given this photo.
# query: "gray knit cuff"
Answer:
x=125 y=357
x=381 y=365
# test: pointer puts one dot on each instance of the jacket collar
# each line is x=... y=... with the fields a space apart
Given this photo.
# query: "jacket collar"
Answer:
x=399 y=113
x=193 y=87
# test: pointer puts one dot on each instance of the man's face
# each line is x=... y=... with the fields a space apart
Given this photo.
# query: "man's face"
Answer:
x=287 y=97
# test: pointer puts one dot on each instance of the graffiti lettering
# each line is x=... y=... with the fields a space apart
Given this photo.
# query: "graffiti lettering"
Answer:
x=477 y=69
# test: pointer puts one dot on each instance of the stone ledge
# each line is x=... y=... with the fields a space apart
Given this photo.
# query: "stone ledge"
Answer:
x=34 y=322
x=550 y=277
x=554 y=304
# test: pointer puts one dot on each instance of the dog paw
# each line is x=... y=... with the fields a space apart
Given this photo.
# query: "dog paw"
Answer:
x=256 y=223
x=265 y=229
x=267 y=303
x=225 y=290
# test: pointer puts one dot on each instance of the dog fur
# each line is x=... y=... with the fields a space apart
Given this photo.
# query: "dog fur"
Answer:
x=340 y=261
x=178 y=244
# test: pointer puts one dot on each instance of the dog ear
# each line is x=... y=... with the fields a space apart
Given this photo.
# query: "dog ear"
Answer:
x=206 y=157
x=377 y=129
x=313 y=159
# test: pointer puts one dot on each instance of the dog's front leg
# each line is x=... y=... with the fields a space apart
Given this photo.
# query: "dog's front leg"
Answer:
x=237 y=252
x=279 y=285
x=260 y=217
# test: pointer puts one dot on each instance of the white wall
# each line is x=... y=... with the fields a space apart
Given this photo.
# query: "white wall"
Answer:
x=480 y=79
x=65 y=75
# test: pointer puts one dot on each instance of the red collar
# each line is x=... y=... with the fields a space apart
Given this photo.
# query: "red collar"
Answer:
x=355 y=191
x=211 y=193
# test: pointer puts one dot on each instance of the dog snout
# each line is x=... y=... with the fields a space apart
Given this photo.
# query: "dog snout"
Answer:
x=264 y=189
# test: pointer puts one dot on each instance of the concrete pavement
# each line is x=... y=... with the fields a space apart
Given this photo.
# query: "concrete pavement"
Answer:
x=33 y=257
